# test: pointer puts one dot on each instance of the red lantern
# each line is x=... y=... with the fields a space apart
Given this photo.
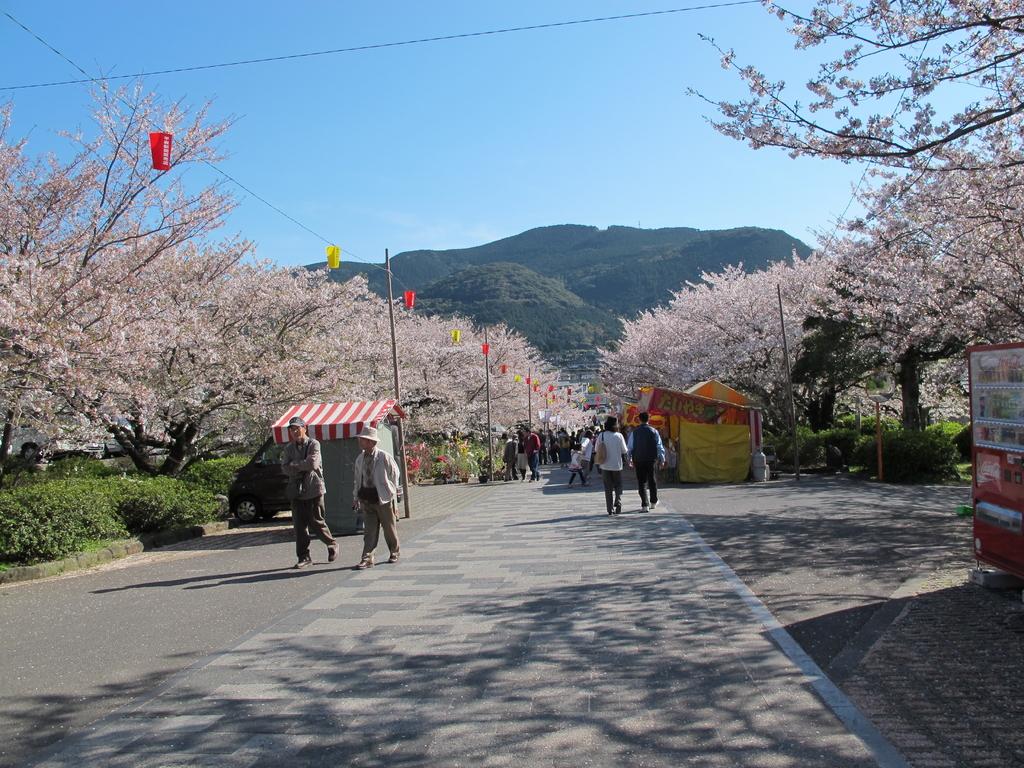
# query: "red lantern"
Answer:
x=160 y=148
x=504 y=368
x=536 y=387
x=528 y=382
x=569 y=390
x=486 y=348
x=551 y=387
x=410 y=299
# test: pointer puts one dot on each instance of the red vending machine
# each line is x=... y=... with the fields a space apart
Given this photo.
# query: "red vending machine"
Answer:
x=997 y=425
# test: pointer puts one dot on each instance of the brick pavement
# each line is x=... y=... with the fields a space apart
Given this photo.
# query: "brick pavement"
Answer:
x=531 y=629
x=942 y=683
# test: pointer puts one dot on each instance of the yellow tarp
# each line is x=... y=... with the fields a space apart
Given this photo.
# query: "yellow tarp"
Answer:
x=712 y=453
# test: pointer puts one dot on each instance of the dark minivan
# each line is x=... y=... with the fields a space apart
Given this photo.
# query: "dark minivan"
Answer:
x=258 y=491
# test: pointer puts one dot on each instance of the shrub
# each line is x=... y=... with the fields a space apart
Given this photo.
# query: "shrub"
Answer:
x=812 y=448
x=157 y=503
x=48 y=521
x=79 y=467
x=844 y=439
x=214 y=475
x=52 y=520
x=964 y=441
x=909 y=456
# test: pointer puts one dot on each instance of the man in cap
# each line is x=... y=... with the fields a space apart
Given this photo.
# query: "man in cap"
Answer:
x=375 y=481
x=302 y=464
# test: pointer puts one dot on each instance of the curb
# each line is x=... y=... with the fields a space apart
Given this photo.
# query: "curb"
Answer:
x=116 y=550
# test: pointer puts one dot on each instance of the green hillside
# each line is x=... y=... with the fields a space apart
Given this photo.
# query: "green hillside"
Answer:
x=538 y=307
x=620 y=270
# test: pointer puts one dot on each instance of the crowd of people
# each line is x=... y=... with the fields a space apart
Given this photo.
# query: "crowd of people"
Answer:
x=606 y=450
x=376 y=478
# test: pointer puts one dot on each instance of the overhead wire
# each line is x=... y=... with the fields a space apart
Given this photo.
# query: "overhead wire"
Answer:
x=225 y=174
x=368 y=47
x=102 y=81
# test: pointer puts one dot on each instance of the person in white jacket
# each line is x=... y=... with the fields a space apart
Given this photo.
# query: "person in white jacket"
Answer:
x=611 y=443
x=375 y=481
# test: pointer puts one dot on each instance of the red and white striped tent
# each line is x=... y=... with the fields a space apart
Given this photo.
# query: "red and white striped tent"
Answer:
x=336 y=421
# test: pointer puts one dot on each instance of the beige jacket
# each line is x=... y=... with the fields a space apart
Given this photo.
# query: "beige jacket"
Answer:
x=385 y=475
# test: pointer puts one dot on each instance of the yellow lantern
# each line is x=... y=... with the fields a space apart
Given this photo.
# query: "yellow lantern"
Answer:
x=333 y=256
x=518 y=378
x=456 y=336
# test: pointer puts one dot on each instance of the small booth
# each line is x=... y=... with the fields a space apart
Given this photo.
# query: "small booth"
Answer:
x=996 y=375
x=716 y=436
x=335 y=426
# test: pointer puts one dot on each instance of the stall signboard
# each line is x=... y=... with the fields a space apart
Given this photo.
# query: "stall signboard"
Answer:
x=997 y=427
x=692 y=408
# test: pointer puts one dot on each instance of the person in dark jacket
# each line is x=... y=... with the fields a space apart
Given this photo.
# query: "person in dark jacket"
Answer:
x=509 y=456
x=646 y=451
x=302 y=464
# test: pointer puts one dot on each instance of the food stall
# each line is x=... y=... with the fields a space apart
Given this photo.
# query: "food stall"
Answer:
x=996 y=375
x=335 y=426
x=715 y=437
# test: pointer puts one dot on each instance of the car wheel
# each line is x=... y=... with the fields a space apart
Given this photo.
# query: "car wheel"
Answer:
x=247 y=509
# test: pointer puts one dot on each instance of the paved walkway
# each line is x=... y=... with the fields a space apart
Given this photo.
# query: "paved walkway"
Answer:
x=529 y=630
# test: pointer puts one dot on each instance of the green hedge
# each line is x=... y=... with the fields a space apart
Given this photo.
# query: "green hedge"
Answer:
x=53 y=520
x=910 y=456
x=214 y=475
x=48 y=521
x=157 y=503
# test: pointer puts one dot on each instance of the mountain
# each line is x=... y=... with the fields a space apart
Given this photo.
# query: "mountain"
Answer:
x=539 y=307
x=561 y=285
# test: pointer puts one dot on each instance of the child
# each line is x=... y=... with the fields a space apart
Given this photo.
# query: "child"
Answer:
x=576 y=465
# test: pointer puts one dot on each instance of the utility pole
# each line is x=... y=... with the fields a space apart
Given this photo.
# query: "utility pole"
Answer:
x=529 y=400
x=487 y=376
x=789 y=385
x=398 y=386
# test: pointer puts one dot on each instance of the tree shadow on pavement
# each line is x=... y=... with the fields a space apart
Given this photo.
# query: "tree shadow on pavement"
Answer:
x=635 y=671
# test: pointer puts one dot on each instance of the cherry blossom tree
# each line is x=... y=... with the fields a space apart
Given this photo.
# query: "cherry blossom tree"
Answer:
x=882 y=88
x=725 y=327
x=78 y=234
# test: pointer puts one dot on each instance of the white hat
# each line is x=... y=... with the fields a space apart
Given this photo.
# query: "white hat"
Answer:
x=370 y=433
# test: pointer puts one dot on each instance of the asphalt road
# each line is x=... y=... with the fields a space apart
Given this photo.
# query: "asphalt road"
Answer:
x=828 y=553
x=78 y=646
x=826 y=556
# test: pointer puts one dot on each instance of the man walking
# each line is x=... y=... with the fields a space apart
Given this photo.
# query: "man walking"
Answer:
x=302 y=464
x=645 y=451
x=375 y=480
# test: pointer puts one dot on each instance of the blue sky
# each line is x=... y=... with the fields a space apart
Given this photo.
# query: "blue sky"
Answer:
x=448 y=144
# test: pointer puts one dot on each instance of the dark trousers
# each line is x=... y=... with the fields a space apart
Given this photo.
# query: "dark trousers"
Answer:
x=612 y=485
x=379 y=517
x=308 y=515
x=646 y=478
x=534 y=459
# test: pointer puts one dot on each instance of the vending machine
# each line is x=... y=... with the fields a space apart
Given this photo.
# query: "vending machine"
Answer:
x=997 y=426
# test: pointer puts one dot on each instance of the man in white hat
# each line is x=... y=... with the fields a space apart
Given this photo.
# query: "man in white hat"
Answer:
x=302 y=464
x=376 y=488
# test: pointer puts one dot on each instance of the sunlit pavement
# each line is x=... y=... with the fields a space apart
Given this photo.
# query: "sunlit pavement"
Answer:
x=530 y=629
